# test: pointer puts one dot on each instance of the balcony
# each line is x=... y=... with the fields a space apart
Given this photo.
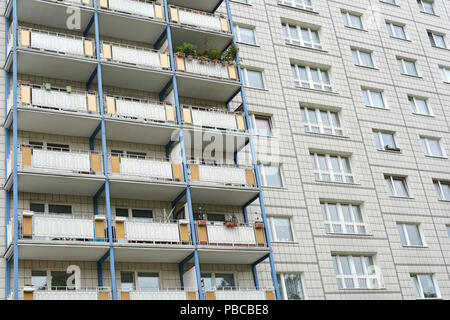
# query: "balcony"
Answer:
x=59 y=172
x=204 y=5
x=166 y=294
x=228 y=127
x=221 y=184
x=138 y=120
x=199 y=19
x=228 y=243
x=134 y=67
x=205 y=79
x=53 y=55
x=145 y=178
x=52 y=13
x=54 y=110
x=58 y=237
x=134 y=20
x=163 y=241
x=64 y=293
x=240 y=294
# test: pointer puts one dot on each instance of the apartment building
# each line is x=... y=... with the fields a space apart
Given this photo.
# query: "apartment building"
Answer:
x=144 y=158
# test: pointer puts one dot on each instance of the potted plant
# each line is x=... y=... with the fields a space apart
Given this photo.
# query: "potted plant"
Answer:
x=230 y=54
x=190 y=57
x=180 y=54
x=186 y=49
x=224 y=63
x=231 y=221
x=389 y=148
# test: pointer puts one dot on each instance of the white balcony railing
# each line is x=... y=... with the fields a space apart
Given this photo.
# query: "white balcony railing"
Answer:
x=168 y=294
x=56 y=42
x=146 y=110
x=240 y=294
x=213 y=119
x=221 y=174
x=240 y=235
x=10 y=232
x=68 y=294
x=141 y=8
x=206 y=68
x=55 y=98
x=147 y=231
x=143 y=168
x=136 y=56
x=199 y=19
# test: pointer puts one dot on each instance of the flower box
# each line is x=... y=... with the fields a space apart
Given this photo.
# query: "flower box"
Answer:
x=202 y=222
x=259 y=225
x=231 y=224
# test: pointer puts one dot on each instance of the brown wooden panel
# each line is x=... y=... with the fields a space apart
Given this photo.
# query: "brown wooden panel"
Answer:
x=191 y=295
x=202 y=233
x=95 y=162
x=99 y=229
x=107 y=52
x=177 y=171
x=184 y=233
x=124 y=295
x=210 y=295
x=194 y=171
x=240 y=122
x=25 y=38
x=180 y=64
x=89 y=48
x=103 y=295
x=110 y=105
x=232 y=72
x=159 y=12
x=26 y=156
x=115 y=164
x=27 y=226
x=187 y=117
x=224 y=24
x=250 y=176
x=170 y=113
x=120 y=229
x=259 y=233
x=29 y=295
x=92 y=102
x=174 y=14
x=104 y=4
x=164 y=58
x=270 y=295
x=25 y=94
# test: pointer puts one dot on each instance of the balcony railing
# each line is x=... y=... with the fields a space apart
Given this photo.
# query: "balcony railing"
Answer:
x=146 y=110
x=35 y=96
x=239 y=294
x=54 y=227
x=199 y=19
x=206 y=68
x=209 y=118
x=134 y=56
x=54 y=42
x=159 y=294
x=221 y=174
x=64 y=293
x=230 y=235
x=147 y=168
x=140 y=8
x=72 y=162
x=145 y=230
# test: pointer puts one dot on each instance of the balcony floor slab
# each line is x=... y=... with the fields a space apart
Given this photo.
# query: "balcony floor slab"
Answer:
x=230 y=255
x=125 y=252
x=202 y=192
x=141 y=189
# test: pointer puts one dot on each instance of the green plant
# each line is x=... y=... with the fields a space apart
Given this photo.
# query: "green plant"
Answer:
x=214 y=54
x=187 y=48
x=230 y=54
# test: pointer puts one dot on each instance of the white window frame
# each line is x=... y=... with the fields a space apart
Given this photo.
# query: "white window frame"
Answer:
x=360 y=61
x=438 y=187
x=428 y=149
x=393 y=34
x=404 y=69
x=320 y=125
x=341 y=222
x=301 y=41
x=282 y=283
x=406 y=236
x=263 y=175
x=391 y=181
x=237 y=28
x=309 y=83
x=354 y=276
x=422 y=7
x=274 y=236
x=436 y=287
x=300 y=4
x=434 y=35
x=380 y=138
x=346 y=177
x=445 y=73
x=255 y=128
x=369 y=95
x=246 y=82
x=348 y=14
x=416 y=111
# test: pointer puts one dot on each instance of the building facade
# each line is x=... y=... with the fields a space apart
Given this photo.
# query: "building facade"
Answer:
x=144 y=158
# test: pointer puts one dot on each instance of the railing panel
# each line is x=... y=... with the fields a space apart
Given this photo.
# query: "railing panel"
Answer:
x=59 y=99
x=240 y=295
x=65 y=295
x=10 y=232
x=158 y=295
x=147 y=167
x=150 y=231
x=141 y=110
x=199 y=20
x=233 y=235
x=135 y=7
x=45 y=226
x=222 y=174
x=206 y=68
x=214 y=119
x=136 y=56
x=57 y=43
x=61 y=160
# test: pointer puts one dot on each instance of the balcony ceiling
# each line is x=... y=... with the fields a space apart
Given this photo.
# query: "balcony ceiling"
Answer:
x=231 y=255
x=138 y=131
x=193 y=86
x=55 y=122
x=50 y=65
x=125 y=26
x=223 y=141
x=225 y=195
x=151 y=253
x=140 y=190
x=203 y=5
x=199 y=37
x=52 y=14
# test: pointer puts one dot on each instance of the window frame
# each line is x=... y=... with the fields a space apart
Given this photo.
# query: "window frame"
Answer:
x=406 y=235
x=401 y=63
x=298 y=81
x=353 y=273
x=263 y=175
x=343 y=224
x=246 y=82
x=320 y=125
x=414 y=100
x=283 y=291
x=301 y=41
x=405 y=184
x=428 y=148
x=420 y=287
x=272 y=229
x=354 y=14
x=360 y=60
x=237 y=28
x=319 y=172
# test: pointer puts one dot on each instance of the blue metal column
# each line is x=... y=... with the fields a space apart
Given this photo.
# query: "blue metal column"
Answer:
x=105 y=157
x=255 y=165
x=183 y=155
x=7 y=269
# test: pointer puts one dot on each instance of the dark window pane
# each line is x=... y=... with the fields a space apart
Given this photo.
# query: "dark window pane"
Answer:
x=141 y=213
x=58 y=208
x=121 y=212
x=37 y=207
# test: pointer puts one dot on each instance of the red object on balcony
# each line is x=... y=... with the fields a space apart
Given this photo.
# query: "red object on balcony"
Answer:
x=259 y=225
x=201 y=222
x=231 y=224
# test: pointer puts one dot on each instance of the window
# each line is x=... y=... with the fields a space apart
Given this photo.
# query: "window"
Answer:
x=241 y=1
x=410 y=234
x=253 y=79
x=437 y=40
x=142 y=213
x=355 y=272
x=431 y=147
x=39 y=279
x=58 y=147
x=424 y=286
x=148 y=281
x=262 y=125
x=445 y=73
x=127 y=281
x=301 y=4
x=343 y=218
x=310 y=77
x=448 y=230
x=352 y=20
x=37 y=207
x=121 y=212
x=331 y=168
x=384 y=140
x=397 y=186
x=321 y=121
x=442 y=190
x=301 y=36
x=407 y=67
x=291 y=286
x=136 y=155
x=426 y=6
x=59 y=280
x=373 y=98
x=419 y=106
x=245 y=35
x=396 y=30
x=280 y=229
x=362 y=58
x=58 y=208
x=221 y=281
x=36 y=145
x=271 y=176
